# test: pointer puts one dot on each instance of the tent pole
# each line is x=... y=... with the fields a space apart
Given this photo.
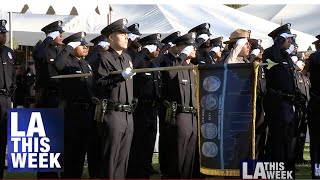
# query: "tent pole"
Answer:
x=11 y=32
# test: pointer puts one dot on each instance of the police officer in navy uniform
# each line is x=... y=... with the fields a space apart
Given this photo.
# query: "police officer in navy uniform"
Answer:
x=279 y=99
x=117 y=89
x=146 y=113
x=134 y=36
x=167 y=60
x=77 y=100
x=313 y=108
x=101 y=45
x=47 y=89
x=7 y=87
x=182 y=127
x=216 y=49
x=203 y=42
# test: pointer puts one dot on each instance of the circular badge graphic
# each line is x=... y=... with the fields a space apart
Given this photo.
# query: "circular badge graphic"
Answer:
x=211 y=83
x=209 y=102
x=209 y=130
x=209 y=149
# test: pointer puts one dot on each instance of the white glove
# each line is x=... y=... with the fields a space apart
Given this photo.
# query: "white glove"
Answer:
x=187 y=50
x=286 y=35
x=291 y=48
x=103 y=44
x=294 y=59
x=255 y=52
x=151 y=48
x=242 y=41
x=74 y=44
x=204 y=36
x=216 y=49
x=133 y=36
x=54 y=34
x=300 y=65
x=127 y=73
x=171 y=44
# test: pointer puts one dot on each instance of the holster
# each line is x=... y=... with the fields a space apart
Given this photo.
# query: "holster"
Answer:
x=134 y=104
x=101 y=108
x=170 y=112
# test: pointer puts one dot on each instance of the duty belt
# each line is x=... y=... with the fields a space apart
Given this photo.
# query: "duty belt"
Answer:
x=285 y=96
x=186 y=109
x=119 y=107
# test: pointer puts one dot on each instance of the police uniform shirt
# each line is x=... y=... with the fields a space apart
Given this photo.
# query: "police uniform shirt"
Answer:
x=113 y=87
x=44 y=55
x=7 y=68
x=314 y=68
x=74 y=89
x=281 y=76
x=149 y=81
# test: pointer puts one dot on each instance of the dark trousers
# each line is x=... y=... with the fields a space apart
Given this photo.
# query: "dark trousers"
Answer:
x=280 y=115
x=182 y=140
x=76 y=137
x=163 y=142
x=116 y=142
x=4 y=105
x=314 y=124
x=49 y=101
x=94 y=148
x=143 y=141
x=261 y=131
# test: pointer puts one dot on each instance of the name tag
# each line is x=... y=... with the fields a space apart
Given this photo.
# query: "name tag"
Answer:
x=51 y=60
x=78 y=72
x=148 y=74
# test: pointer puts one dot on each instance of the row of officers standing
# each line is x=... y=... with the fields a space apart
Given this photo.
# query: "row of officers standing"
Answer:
x=113 y=117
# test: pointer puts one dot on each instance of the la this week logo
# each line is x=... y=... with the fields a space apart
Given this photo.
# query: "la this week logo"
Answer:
x=29 y=150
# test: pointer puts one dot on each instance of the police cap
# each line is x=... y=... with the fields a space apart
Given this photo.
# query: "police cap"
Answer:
x=3 y=23
x=171 y=37
x=134 y=29
x=318 y=40
x=201 y=29
x=151 y=39
x=216 y=42
x=98 y=39
x=119 y=25
x=282 y=29
x=77 y=37
x=187 y=39
x=55 y=26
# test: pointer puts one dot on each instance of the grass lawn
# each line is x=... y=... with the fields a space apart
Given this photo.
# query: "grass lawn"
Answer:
x=303 y=170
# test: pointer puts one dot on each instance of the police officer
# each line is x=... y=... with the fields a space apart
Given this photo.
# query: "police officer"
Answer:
x=216 y=49
x=261 y=124
x=203 y=42
x=77 y=99
x=314 y=113
x=303 y=84
x=117 y=89
x=239 y=45
x=134 y=36
x=167 y=61
x=182 y=123
x=279 y=99
x=146 y=113
x=7 y=87
x=94 y=148
x=47 y=89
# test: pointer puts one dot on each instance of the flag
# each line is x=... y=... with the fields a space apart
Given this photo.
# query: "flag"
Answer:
x=226 y=117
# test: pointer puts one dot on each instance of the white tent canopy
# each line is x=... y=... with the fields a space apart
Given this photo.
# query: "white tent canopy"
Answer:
x=303 y=17
x=59 y=7
x=154 y=18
